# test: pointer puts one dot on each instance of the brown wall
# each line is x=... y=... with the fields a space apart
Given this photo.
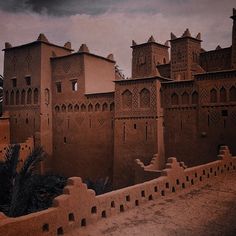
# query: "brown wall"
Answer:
x=136 y=128
x=199 y=129
x=82 y=124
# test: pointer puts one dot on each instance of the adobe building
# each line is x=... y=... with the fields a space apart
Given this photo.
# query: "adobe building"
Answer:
x=94 y=123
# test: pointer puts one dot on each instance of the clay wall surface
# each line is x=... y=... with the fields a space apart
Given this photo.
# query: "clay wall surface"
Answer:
x=4 y=129
x=164 y=70
x=184 y=58
x=19 y=99
x=25 y=149
x=135 y=127
x=99 y=74
x=47 y=52
x=200 y=116
x=79 y=206
x=216 y=60
x=82 y=124
x=145 y=58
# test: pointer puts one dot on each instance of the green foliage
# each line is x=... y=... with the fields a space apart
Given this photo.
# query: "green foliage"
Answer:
x=24 y=191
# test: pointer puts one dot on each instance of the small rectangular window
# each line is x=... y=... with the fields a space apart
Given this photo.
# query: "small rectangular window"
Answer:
x=28 y=80
x=74 y=85
x=14 y=83
x=224 y=113
x=58 y=86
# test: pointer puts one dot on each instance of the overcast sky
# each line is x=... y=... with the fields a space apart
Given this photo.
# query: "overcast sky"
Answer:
x=108 y=26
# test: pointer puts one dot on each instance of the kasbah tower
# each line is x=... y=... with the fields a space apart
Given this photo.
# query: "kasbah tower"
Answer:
x=94 y=123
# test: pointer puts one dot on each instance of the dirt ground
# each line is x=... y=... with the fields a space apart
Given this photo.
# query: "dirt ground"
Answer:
x=209 y=209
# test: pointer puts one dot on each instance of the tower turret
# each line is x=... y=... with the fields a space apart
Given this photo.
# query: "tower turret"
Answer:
x=146 y=56
x=185 y=52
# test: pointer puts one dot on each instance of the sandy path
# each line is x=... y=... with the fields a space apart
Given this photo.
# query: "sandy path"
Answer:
x=206 y=210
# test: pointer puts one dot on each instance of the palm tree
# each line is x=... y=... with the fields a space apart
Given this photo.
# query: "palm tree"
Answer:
x=25 y=191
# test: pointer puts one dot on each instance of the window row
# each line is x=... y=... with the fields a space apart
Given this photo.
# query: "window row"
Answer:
x=30 y=96
x=74 y=86
x=27 y=81
x=184 y=99
x=83 y=108
x=144 y=99
x=223 y=95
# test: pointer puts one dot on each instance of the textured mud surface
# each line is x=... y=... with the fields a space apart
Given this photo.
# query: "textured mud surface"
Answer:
x=209 y=209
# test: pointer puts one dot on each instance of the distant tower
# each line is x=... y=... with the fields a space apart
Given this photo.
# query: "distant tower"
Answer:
x=146 y=56
x=184 y=55
x=234 y=39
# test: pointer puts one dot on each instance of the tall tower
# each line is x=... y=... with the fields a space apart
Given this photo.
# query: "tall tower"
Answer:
x=185 y=55
x=234 y=39
x=146 y=56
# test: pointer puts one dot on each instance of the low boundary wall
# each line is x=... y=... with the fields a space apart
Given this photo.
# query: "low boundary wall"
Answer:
x=79 y=206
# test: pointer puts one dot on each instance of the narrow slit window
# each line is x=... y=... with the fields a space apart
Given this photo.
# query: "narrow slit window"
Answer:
x=74 y=85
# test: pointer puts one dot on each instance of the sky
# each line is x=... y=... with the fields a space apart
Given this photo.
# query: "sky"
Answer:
x=109 y=26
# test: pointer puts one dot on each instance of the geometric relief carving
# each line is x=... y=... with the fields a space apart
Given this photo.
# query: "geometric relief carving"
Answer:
x=66 y=66
x=203 y=95
x=101 y=121
x=153 y=97
x=135 y=97
x=127 y=99
x=144 y=98
x=233 y=117
x=214 y=117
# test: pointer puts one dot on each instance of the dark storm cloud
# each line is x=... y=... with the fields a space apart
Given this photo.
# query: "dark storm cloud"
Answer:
x=58 y=7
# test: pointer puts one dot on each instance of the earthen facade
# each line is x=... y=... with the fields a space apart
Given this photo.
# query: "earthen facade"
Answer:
x=94 y=123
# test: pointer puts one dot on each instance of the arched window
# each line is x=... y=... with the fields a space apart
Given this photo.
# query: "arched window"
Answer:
x=57 y=108
x=70 y=108
x=194 y=97
x=76 y=107
x=174 y=99
x=185 y=98
x=213 y=95
x=29 y=96
x=83 y=108
x=12 y=98
x=6 y=98
x=104 y=107
x=232 y=94
x=23 y=97
x=223 y=95
x=127 y=99
x=36 y=96
x=144 y=98
x=112 y=106
x=63 y=108
x=97 y=107
x=90 y=107
x=17 y=97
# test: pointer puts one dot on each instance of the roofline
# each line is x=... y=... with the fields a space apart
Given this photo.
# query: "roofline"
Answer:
x=189 y=37
x=179 y=81
x=142 y=44
x=215 y=72
x=98 y=94
x=37 y=42
x=213 y=50
x=86 y=53
x=144 y=78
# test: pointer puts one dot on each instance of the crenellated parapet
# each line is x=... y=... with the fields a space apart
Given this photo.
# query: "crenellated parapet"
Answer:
x=79 y=206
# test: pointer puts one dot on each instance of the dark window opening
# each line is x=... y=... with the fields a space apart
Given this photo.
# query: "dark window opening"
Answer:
x=71 y=217
x=14 y=83
x=224 y=112
x=28 y=80
x=65 y=140
x=74 y=84
x=58 y=87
